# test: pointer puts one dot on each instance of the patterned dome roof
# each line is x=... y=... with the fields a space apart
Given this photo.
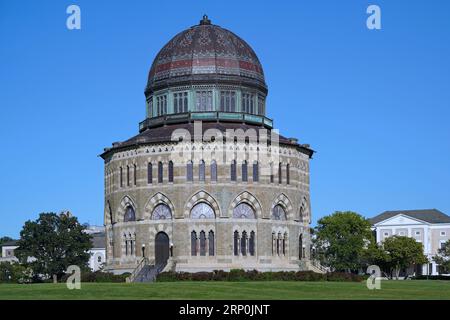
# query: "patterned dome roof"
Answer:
x=205 y=53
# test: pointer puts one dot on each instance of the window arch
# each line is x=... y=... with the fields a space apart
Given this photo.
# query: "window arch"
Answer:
x=255 y=171
x=129 y=214
x=201 y=171
x=244 y=171
x=162 y=212
x=202 y=210
x=243 y=211
x=170 y=173
x=233 y=170
x=278 y=213
x=213 y=171
x=160 y=172
x=190 y=171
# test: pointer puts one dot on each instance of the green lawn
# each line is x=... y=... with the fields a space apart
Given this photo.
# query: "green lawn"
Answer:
x=419 y=289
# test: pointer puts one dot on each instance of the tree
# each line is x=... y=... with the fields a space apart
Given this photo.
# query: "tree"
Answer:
x=443 y=257
x=52 y=243
x=403 y=252
x=340 y=240
x=4 y=240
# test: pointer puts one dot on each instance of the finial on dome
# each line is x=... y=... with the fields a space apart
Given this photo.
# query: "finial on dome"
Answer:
x=205 y=20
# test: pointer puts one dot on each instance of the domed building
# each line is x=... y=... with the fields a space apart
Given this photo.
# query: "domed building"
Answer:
x=208 y=183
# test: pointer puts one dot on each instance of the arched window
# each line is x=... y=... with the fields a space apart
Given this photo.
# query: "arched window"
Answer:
x=278 y=243
x=134 y=174
x=193 y=243
x=202 y=211
x=190 y=171
x=161 y=212
x=149 y=173
x=170 y=171
x=202 y=243
x=160 y=172
x=129 y=214
x=280 y=173
x=284 y=243
x=243 y=211
x=213 y=171
x=302 y=209
x=288 y=173
x=255 y=171
x=274 y=240
x=126 y=244
x=300 y=247
x=236 y=243
x=201 y=171
x=244 y=243
x=233 y=170
x=121 y=177
x=244 y=171
x=278 y=213
x=251 y=243
x=211 y=242
x=128 y=176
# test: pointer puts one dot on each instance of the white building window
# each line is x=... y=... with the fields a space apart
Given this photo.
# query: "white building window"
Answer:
x=417 y=233
x=443 y=234
x=203 y=101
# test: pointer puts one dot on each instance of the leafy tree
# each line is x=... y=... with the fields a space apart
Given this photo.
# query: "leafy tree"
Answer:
x=443 y=257
x=340 y=240
x=52 y=243
x=5 y=239
x=14 y=272
x=403 y=252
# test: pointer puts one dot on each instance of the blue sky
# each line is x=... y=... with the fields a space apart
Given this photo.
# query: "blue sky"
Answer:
x=375 y=105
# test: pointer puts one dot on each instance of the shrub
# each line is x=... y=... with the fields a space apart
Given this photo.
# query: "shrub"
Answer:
x=437 y=277
x=254 y=275
x=99 y=276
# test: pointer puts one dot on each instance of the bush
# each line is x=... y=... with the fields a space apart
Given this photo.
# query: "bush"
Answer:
x=14 y=273
x=439 y=277
x=99 y=276
x=254 y=275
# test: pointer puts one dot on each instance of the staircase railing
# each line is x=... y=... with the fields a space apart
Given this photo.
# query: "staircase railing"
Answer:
x=138 y=269
x=317 y=264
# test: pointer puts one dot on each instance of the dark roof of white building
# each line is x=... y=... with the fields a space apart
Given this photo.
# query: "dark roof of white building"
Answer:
x=98 y=240
x=427 y=215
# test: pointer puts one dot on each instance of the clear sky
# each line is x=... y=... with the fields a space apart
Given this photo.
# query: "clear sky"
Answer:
x=374 y=104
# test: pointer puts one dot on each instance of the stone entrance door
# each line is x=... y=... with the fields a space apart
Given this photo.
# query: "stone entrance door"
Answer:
x=161 y=248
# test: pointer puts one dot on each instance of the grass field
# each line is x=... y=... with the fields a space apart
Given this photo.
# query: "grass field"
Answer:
x=419 y=289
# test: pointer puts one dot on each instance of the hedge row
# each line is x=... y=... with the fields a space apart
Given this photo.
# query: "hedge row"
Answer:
x=99 y=276
x=242 y=275
x=440 y=277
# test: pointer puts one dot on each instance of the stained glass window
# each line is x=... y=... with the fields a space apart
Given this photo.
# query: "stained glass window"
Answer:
x=243 y=211
x=202 y=211
x=278 y=213
x=161 y=212
x=129 y=214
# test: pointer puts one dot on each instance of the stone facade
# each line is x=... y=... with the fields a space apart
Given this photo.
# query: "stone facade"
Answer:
x=222 y=196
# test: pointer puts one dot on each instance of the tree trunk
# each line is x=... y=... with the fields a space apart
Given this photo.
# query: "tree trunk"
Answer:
x=55 y=278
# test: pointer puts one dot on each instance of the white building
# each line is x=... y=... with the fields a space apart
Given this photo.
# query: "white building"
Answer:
x=8 y=251
x=430 y=227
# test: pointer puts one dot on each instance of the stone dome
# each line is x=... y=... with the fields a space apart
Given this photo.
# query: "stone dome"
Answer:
x=205 y=53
